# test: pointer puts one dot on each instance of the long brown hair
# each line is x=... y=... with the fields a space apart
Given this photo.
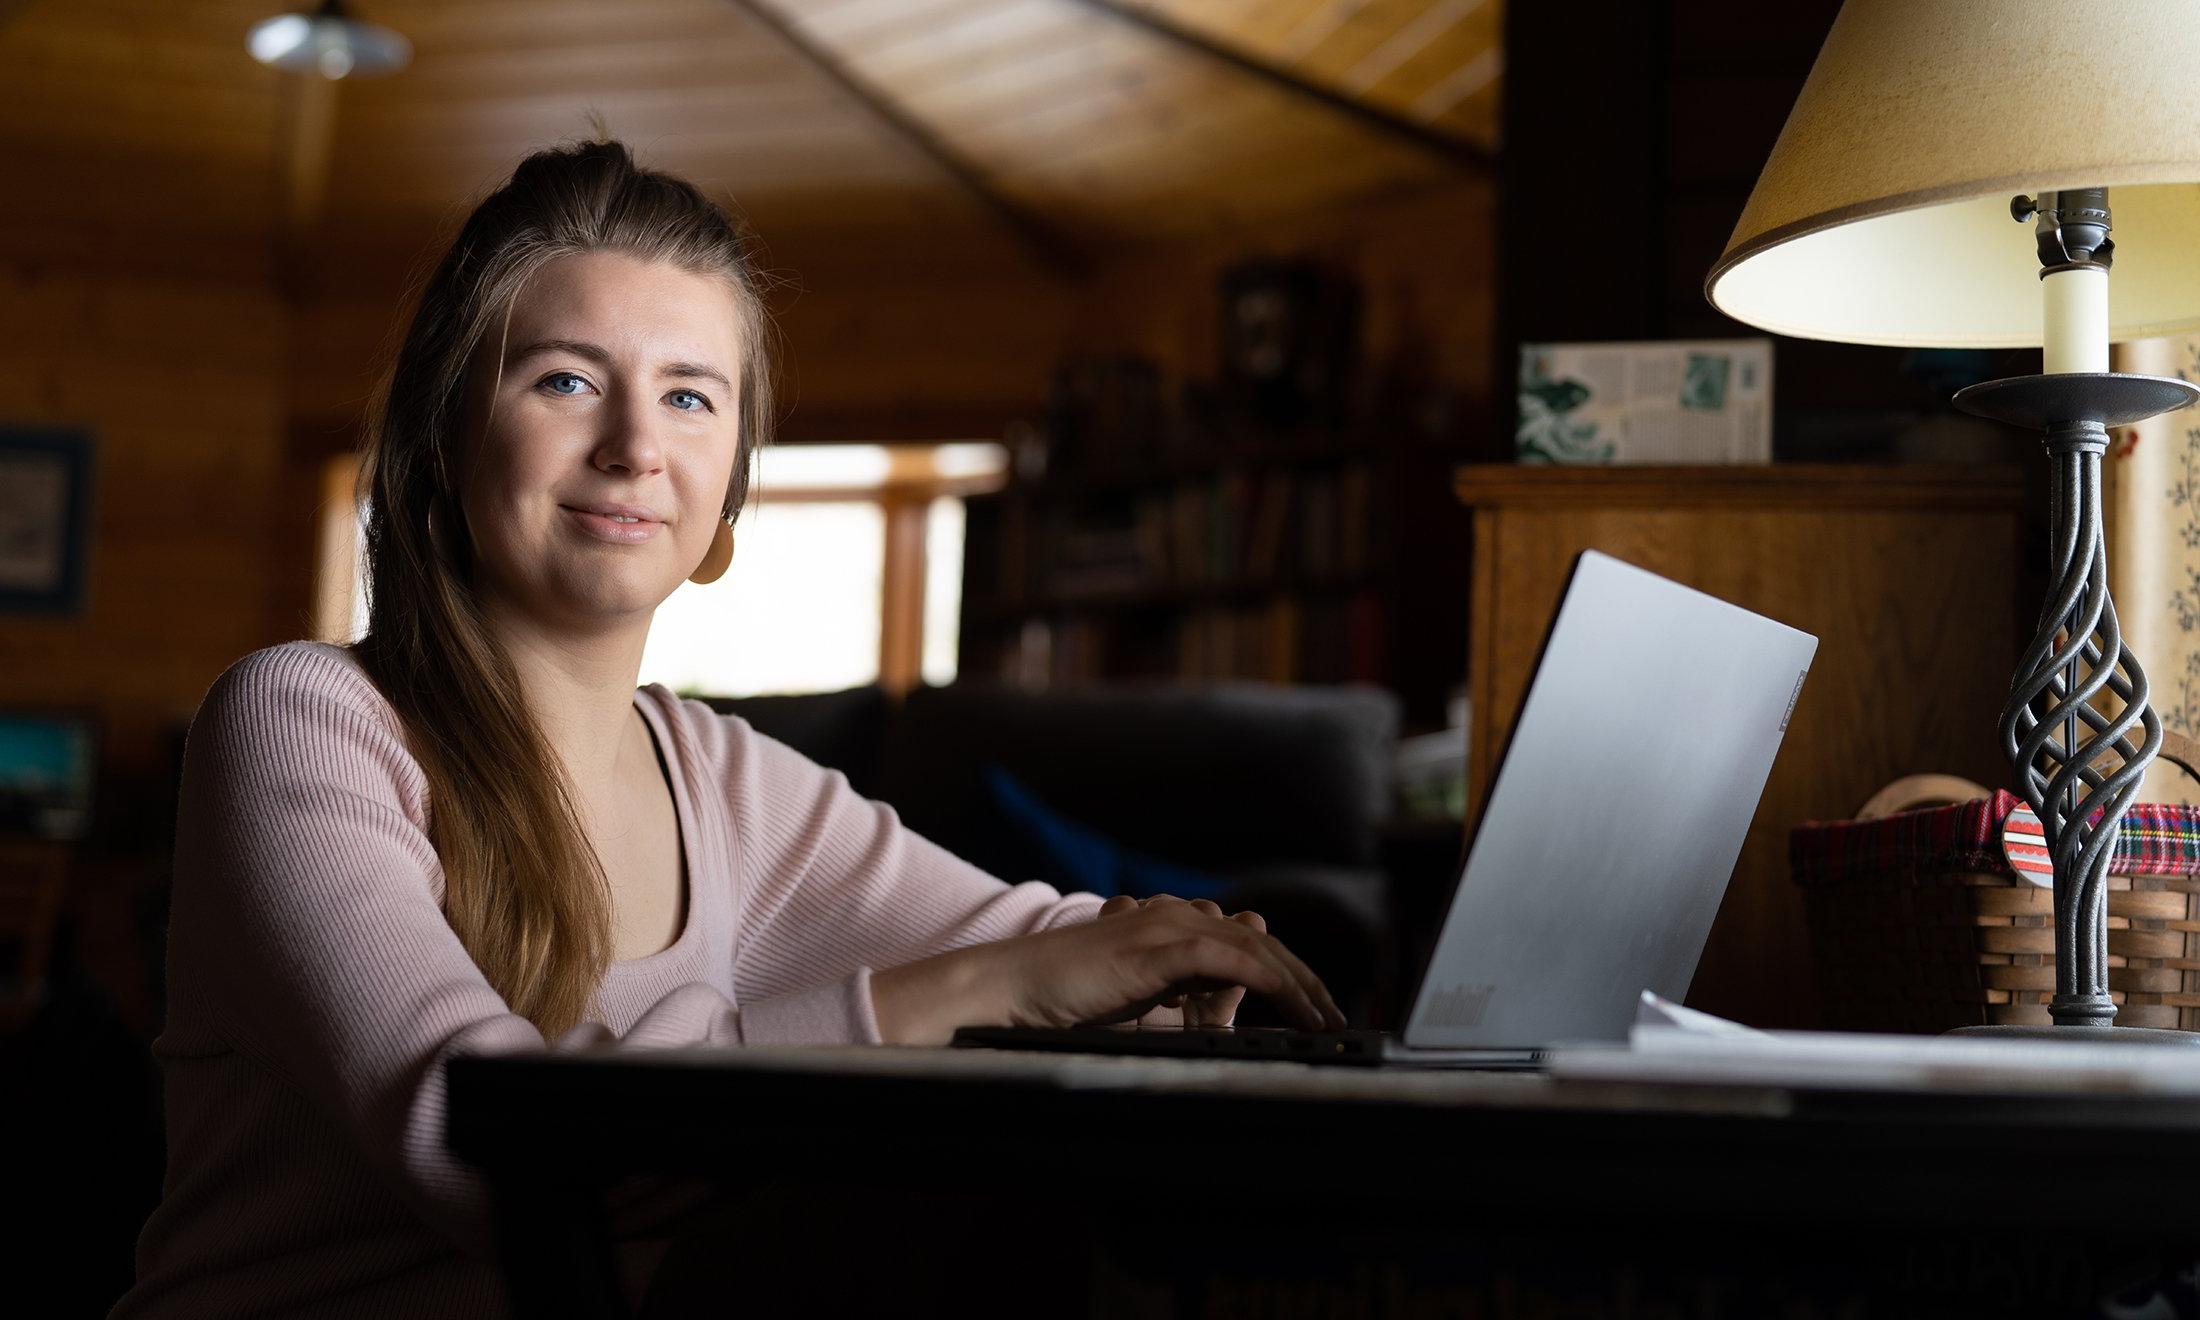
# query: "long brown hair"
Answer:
x=521 y=886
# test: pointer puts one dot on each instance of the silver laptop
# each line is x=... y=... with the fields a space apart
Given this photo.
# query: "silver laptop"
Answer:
x=1603 y=847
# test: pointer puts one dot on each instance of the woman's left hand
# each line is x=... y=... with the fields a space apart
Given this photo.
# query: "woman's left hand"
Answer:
x=1207 y=1008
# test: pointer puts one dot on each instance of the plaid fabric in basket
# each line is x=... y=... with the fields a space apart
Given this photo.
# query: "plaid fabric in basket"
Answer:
x=2156 y=839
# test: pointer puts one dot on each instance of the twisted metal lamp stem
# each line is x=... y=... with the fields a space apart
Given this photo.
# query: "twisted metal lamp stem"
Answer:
x=2078 y=651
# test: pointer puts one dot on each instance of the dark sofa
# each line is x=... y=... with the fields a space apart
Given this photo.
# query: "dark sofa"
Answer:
x=1278 y=793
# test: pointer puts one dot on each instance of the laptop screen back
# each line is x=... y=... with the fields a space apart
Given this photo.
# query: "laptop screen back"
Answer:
x=1615 y=819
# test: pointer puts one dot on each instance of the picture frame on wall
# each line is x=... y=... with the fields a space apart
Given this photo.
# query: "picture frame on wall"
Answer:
x=45 y=519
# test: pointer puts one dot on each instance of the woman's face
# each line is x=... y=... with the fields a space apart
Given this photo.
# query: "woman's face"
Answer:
x=596 y=469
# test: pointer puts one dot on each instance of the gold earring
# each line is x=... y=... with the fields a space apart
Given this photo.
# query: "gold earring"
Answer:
x=719 y=556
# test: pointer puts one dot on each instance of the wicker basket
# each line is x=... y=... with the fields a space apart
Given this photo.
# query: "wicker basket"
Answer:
x=1919 y=922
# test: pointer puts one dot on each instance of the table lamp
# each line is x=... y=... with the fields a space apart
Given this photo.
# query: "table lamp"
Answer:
x=1966 y=174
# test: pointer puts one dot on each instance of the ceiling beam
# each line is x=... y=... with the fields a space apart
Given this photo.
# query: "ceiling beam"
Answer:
x=1454 y=150
x=1042 y=241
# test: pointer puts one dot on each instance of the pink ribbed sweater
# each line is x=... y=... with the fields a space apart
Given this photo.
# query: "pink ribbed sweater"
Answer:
x=315 y=989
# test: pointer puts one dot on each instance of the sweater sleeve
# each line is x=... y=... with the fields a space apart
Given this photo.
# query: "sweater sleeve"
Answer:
x=833 y=885
x=307 y=933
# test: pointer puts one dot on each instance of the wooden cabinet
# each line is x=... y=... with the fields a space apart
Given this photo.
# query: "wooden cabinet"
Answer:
x=1921 y=583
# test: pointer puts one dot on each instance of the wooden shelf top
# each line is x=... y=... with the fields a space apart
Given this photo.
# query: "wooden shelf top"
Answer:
x=1815 y=485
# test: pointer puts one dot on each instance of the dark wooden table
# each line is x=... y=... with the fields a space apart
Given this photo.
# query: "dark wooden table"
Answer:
x=1085 y=1186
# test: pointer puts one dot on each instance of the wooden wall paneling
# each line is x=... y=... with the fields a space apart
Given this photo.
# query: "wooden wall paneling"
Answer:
x=1084 y=108
x=1423 y=60
x=1313 y=27
x=135 y=196
x=568 y=24
x=1135 y=142
x=135 y=140
x=450 y=182
x=797 y=114
x=305 y=131
x=1043 y=76
x=965 y=35
x=1911 y=577
x=1409 y=35
x=937 y=234
x=1166 y=182
x=730 y=60
x=1189 y=211
x=179 y=382
x=1429 y=45
x=771 y=178
x=340 y=346
x=1345 y=104
x=199 y=40
x=1266 y=25
x=1353 y=33
x=1466 y=98
x=858 y=345
x=1426 y=272
x=1048 y=248
x=52 y=245
x=854 y=26
x=67 y=108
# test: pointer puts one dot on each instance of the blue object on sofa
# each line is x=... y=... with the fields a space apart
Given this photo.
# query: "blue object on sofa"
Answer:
x=1069 y=855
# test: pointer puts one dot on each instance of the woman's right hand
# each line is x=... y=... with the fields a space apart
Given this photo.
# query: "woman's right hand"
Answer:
x=1116 y=967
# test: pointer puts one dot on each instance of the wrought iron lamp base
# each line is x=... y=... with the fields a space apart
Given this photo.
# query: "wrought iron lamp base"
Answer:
x=2078 y=654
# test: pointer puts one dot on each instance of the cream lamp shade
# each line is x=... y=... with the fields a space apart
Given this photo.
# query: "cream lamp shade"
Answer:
x=1882 y=216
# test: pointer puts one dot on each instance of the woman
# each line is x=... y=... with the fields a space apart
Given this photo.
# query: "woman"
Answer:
x=471 y=833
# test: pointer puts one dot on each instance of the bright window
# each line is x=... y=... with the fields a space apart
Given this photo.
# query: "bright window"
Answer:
x=798 y=611
x=943 y=585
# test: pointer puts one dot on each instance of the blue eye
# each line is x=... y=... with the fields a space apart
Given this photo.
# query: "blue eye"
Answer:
x=701 y=402
x=554 y=377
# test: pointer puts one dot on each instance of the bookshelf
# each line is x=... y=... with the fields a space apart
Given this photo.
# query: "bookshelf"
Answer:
x=1303 y=555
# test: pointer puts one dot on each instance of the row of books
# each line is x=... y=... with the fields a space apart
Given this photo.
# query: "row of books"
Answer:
x=1112 y=411
x=1117 y=416
x=1313 y=639
x=1276 y=525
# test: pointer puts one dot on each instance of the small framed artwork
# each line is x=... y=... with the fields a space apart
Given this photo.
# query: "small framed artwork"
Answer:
x=45 y=519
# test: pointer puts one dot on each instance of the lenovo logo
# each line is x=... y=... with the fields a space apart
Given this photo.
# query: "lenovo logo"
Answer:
x=1459 y=1006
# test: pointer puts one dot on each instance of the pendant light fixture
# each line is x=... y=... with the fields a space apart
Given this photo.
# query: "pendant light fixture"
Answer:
x=330 y=42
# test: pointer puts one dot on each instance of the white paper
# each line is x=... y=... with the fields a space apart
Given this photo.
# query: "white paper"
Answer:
x=1674 y=1045
x=1655 y=1012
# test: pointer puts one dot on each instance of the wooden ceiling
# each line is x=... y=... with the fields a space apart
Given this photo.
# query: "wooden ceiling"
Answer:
x=1047 y=132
